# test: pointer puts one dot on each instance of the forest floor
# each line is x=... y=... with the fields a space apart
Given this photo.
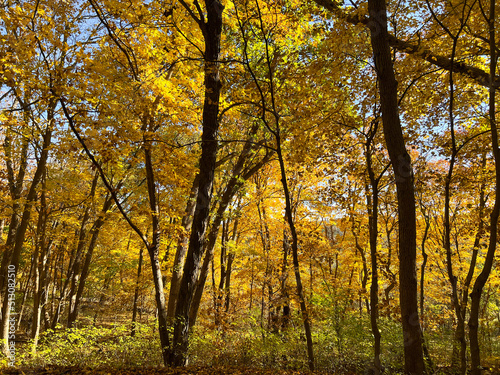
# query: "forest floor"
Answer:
x=203 y=370
x=74 y=370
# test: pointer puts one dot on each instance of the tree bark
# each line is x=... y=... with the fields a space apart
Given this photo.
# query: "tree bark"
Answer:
x=295 y=256
x=40 y=259
x=401 y=163
x=372 y=204
x=16 y=184
x=482 y=278
x=212 y=30
x=136 y=294
x=180 y=254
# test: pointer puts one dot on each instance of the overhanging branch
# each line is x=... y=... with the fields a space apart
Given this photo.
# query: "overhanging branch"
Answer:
x=475 y=73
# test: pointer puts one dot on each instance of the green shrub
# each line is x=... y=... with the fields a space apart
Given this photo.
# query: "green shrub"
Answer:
x=95 y=346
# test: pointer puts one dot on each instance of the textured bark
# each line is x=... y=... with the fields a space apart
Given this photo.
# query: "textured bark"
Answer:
x=212 y=30
x=401 y=164
x=40 y=258
x=482 y=278
x=154 y=247
x=372 y=204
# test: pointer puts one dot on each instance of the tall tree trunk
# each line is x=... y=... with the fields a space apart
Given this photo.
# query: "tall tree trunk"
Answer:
x=425 y=348
x=212 y=30
x=372 y=204
x=39 y=264
x=154 y=247
x=482 y=278
x=401 y=163
x=295 y=256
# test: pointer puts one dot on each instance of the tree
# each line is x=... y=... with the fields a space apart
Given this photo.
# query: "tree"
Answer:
x=211 y=28
x=401 y=164
x=495 y=213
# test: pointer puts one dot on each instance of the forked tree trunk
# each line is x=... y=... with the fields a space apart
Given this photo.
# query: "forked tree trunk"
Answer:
x=16 y=189
x=239 y=175
x=212 y=30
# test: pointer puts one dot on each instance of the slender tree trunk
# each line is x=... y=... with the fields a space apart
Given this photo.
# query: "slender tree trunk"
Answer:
x=39 y=262
x=180 y=254
x=401 y=163
x=372 y=204
x=230 y=260
x=76 y=272
x=136 y=294
x=219 y=292
x=482 y=278
x=95 y=231
x=295 y=256
x=154 y=247
x=284 y=278
x=422 y=284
